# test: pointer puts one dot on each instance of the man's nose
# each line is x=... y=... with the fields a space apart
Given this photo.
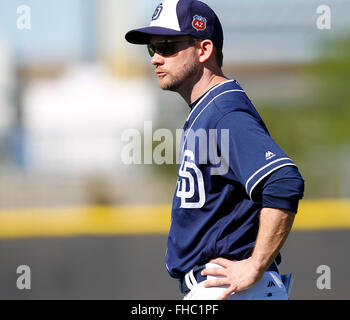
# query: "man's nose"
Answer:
x=157 y=59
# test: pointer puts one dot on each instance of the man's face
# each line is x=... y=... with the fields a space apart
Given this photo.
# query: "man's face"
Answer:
x=177 y=70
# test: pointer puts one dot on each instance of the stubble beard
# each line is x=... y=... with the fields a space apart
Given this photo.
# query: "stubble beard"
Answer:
x=174 y=82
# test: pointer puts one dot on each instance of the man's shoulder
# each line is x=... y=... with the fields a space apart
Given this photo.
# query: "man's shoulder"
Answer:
x=225 y=98
x=230 y=96
x=228 y=86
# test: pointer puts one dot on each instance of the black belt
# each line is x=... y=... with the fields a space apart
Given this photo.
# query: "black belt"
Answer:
x=199 y=278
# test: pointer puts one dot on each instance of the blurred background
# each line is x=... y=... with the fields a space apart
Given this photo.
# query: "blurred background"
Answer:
x=92 y=227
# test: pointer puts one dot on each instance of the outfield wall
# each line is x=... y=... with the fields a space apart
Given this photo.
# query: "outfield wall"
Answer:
x=118 y=252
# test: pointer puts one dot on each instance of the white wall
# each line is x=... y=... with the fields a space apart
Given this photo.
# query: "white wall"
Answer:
x=74 y=123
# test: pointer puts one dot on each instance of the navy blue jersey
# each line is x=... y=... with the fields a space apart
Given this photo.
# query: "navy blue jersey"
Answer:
x=226 y=153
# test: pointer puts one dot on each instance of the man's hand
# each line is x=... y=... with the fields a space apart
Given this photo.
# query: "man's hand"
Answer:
x=274 y=227
x=237 y=275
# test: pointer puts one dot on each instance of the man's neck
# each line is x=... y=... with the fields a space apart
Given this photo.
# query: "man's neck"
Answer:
x=200 y=87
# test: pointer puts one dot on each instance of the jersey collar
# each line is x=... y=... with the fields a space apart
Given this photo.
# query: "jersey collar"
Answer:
x=196 y=103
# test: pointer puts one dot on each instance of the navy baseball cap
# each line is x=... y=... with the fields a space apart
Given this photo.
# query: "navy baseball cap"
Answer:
x=181 y=17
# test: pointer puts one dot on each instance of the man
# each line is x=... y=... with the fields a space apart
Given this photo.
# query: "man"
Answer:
x=237 y=191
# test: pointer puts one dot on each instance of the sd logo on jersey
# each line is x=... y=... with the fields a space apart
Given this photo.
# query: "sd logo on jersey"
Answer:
x=199 y=23
x=188 y=185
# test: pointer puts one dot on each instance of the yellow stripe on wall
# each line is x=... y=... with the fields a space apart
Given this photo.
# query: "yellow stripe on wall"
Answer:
x=323 y=214
x=121 y=220
x=138 y=220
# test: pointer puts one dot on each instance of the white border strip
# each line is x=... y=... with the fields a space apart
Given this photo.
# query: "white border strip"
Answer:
x=188 y=282
x=256 y=172
x=272 y=170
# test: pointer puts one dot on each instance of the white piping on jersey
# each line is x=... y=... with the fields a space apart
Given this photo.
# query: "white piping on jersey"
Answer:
x=185 y=138
x=262 y=168
x=199 y=102
x=272 y=170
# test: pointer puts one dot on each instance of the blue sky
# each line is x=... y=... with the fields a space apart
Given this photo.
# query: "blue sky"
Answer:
x=60 y=29
x=65 y=30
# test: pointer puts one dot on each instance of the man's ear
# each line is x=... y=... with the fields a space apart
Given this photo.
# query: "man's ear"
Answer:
x=206 y=50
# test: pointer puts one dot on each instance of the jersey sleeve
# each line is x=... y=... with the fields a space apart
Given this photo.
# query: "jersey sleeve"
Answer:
x=249 y=150
x=283 y=189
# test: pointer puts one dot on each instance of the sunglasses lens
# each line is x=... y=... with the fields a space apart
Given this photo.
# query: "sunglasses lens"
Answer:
x=165 y=48
x=151 y=50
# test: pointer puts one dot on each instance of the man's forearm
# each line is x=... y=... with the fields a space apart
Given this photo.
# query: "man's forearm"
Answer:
x=274 y=227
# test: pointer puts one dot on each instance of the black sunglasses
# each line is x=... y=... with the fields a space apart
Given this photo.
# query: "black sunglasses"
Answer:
x=166 y=47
